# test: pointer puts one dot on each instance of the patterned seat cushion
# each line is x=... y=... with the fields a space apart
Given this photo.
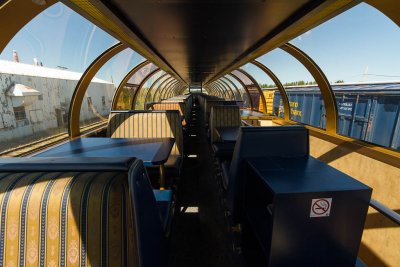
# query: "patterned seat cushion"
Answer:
x=66 y=219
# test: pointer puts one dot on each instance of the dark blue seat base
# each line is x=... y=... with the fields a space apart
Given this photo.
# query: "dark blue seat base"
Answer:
x=165 y=205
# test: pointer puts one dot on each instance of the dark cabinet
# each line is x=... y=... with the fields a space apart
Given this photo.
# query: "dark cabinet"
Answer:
x=304 y=212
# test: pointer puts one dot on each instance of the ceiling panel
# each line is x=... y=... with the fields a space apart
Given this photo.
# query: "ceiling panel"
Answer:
x=200 y=38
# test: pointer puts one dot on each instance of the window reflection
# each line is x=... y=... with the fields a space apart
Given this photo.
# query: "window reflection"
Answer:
x=363 y=68
x=268 y=88
x=39 y=70
x=113 y=72
x=305 y=100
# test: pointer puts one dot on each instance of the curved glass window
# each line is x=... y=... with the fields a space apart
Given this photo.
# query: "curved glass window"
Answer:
x=227 y=88
x=252 y=88
x=131 y=86
x=267 y=86
x=40 y=68
x=306 y=103
x=245 y=98
x=141 y=97
x=365 y=72
x=151 y=95
x=98 y=99
x=223 y=91
x=211 y=90
x=161 y=91
x=236 y=91
x=173 y=90
x=152 y=85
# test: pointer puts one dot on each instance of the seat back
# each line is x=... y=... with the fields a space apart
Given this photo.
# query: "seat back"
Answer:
x=210 y=103
x=147 y=124
x=179 y=106
x=258 y=142
x=183 y=102
x=151 y=236
x=223 y=116
x=58 y=212
x=169 y=106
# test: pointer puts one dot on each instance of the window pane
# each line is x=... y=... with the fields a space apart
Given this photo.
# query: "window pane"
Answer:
x=364 y=73
x=306 y=105
x=40 y=68
x=102 y=88
x=246 y=101
x=267 y=86
x=151 y=95
x=140 y=99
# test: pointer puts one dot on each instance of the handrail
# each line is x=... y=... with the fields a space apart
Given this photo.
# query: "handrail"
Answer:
x=387 y=212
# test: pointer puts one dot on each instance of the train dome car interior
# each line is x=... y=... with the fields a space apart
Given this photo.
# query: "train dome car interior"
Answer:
x=199 y=133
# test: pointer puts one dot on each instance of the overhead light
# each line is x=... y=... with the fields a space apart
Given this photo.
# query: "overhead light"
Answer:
x=39 y=2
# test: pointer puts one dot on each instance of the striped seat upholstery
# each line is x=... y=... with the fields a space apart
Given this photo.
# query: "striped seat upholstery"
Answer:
x=171 y=106
x=223 y=116
x=185 y=104
x=149 y=124
x=211 y=103
x=66 y=219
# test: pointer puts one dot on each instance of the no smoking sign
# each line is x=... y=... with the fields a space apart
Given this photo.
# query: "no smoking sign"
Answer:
x=320 y=207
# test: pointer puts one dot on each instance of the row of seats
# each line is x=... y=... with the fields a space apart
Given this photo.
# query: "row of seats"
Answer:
x=181 y=103
x=259 y=142
x=81 y=212
x=163 y=120
x=151 y=124
x=219 y=113
x=91 y=211
x=252 y=142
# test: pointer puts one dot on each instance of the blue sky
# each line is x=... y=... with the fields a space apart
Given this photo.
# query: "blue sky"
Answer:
x=61 y=37
x=358 y=45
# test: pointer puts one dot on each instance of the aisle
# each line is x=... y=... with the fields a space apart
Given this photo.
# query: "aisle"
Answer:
x=199 y=231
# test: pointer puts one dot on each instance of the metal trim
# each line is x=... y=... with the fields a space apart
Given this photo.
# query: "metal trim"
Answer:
x=144 y=80
x=234 y=85
x=257 y=86
x=166 y=90
x=326 y=90
x=245 y=88
x=279 y=85
x=325 y=11
x=227 y=89
x=157 y=90
x=83 y=84
x=216 y=90
x=160 y=90
x=151 y=87
x=230 y=88
x=125 y=80
x=16 y=14
x=221 y=89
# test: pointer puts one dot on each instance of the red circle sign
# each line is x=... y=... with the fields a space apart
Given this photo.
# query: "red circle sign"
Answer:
x=320 y=206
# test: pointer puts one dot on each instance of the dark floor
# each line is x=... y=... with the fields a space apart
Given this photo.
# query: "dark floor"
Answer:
x=199 y=234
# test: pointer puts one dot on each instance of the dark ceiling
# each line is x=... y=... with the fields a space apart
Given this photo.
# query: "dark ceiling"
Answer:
x=200 y=38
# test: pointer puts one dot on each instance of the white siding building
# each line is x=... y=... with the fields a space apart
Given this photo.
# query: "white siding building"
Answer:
x=35 y=100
